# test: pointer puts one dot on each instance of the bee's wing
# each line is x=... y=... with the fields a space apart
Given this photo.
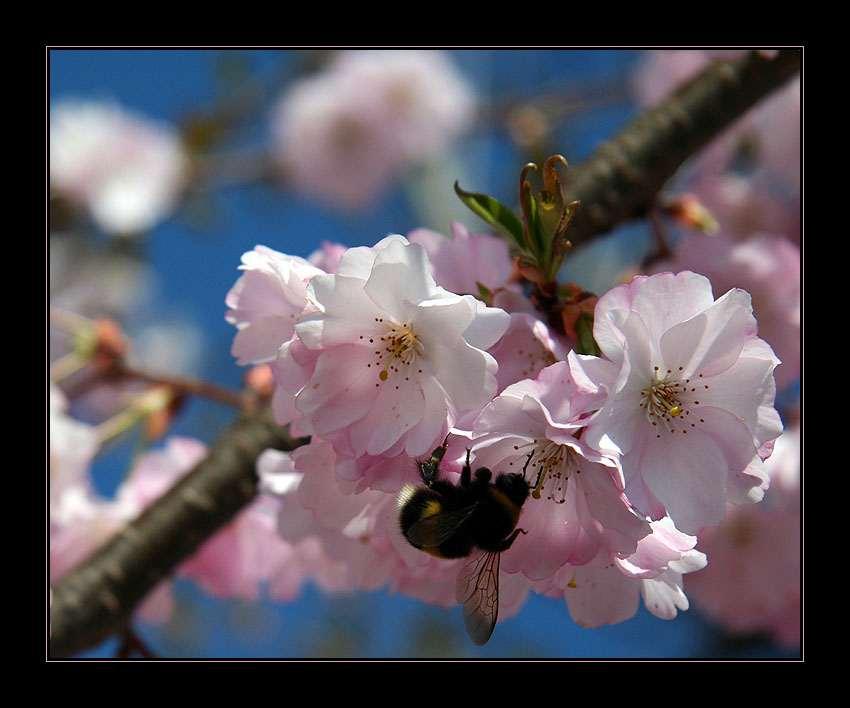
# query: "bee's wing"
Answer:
x=477 y=590
x=434 y=530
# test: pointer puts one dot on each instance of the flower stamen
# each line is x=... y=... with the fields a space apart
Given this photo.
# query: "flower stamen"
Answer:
x=552 y=462
x=667 y=399
x=400 y=344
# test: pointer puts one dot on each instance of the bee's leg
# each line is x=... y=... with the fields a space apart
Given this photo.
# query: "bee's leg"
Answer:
x=539 y=472
x=466 y=472
x=508 y=542
x=430 y=470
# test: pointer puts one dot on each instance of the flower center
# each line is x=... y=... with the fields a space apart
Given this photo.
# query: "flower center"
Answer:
x=553 y=464
x=668 y=401
x=398 y=345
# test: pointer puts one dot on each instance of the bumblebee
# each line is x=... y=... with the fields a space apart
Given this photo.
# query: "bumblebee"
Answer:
x=476 y=518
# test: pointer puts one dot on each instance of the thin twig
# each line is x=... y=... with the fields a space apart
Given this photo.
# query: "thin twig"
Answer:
x=183 y=385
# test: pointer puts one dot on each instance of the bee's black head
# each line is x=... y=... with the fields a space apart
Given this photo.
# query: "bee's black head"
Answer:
x=514 y=487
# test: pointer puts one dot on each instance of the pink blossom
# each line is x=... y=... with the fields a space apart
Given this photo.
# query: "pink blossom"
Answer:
x=424 y=99
x=690 y=396
x=237 y=560
x=346 y=537
x=266 y=301
x=126 y=169
x=753 y=581
x=578 y=505
x=388 y=361
x=87 y=521
x=327 y=256
x=335 y=536
x=72 y=446
x=278 y=542
x=158 y=469
x=766 y=266
x=528 y=347
x=481 y=265
x=608 y=589
x=743 y=206
x=463 y=262
x=343 y=134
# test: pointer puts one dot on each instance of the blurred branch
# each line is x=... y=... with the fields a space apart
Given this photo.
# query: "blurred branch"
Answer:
x=182 y=385
x=618 y=183
x=623 y=177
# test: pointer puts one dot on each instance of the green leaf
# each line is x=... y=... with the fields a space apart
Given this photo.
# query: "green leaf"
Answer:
x=531 y=222
x=584 y=329
x=494 y=213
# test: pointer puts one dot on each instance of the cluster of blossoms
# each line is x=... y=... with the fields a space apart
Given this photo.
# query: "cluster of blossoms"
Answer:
x=753 y=583
x=380 y=353
x=126 y=170
x=343 y=134
x=749 y=181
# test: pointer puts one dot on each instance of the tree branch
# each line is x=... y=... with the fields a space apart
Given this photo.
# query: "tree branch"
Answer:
x=620 y=182
x=623 y=177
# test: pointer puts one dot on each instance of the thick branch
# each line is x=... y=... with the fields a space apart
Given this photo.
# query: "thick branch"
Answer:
x=95 y=600
x=619 y=182
x=623 y=177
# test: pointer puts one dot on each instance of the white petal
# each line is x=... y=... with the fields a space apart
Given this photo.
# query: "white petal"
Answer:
x=687 y=473
x=346 y=313
x=341 y=389
x=488 y=327
x=400 y=273
x=466 y=374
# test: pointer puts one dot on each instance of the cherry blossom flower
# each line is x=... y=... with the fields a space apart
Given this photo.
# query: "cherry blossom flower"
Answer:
x=425 y=100
x=766 y=266
x=481 y=265
x=127 y=170
x=528 y=347
x=753 y=582
x=464 y=261
x=388 y=361
x=327 y=256
x=608 y=589
x=266 y=301
x=577 y=505
x=690 y=396
x=238 y=559
x=346 y=537
x=72 y=446
x=335 y=536
x=343 y=134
